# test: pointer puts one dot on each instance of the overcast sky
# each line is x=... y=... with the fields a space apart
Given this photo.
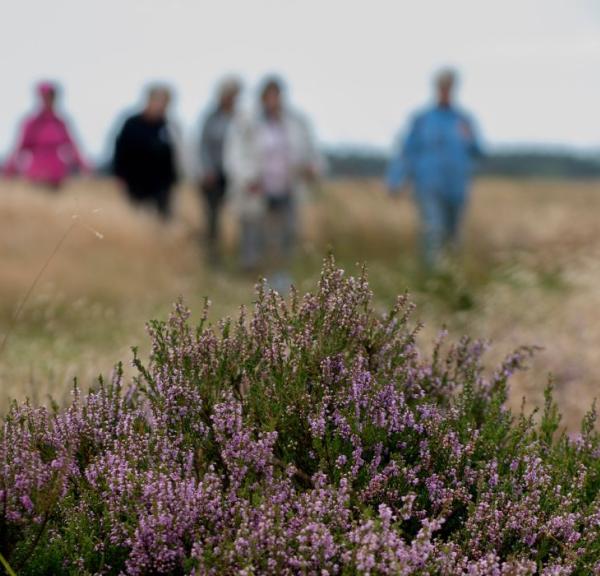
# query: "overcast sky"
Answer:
x=530 y=68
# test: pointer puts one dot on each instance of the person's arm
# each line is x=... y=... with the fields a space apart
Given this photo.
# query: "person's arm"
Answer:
x=177 y=159
x=77 y=159
x=239 y=158
x=400 y=168
x=24 y=141
x=314 y=164
x=119 y=159
x=471 y=137
x=208 y=163
x=395 y=171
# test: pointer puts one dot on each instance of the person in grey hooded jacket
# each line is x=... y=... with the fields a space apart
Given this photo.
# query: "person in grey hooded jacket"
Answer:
x=213 y=179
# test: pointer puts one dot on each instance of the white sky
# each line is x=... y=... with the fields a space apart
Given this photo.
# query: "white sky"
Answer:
x=530 y=68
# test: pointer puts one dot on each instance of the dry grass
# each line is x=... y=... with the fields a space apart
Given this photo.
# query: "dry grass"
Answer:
x=529 y=275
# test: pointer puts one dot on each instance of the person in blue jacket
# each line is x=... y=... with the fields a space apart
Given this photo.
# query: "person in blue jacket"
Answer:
x=437 y=158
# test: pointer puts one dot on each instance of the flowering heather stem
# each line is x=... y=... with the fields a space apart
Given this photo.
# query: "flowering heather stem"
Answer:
x=306 y=438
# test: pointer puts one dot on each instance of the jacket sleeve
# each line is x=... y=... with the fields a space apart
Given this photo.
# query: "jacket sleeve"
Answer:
x=395 y=171
x=207 y=161
x=239 y=154
x=400 y=168
x=12 y=165
x=474 y=144
x=312 y=156
x=75 y=155
x=120 y=154
x=177 y=162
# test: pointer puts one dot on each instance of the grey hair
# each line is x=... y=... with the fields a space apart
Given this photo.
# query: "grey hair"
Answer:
x=158 y=88
x=228 y=86
x=446 y=76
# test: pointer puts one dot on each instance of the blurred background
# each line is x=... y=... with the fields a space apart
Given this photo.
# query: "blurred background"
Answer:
x=82 y=270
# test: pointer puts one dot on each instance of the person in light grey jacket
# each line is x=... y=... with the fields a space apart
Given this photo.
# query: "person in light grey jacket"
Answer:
x=213 y=180
x=270 y=158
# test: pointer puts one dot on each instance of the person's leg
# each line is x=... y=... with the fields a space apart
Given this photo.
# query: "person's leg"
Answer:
x=432 y=225
x=273 y=233
x=290 y=231
x=247 y=259
x=210 y=212
x=162 y=201
x=454 y=208
x=135 y=194
x=213 y=198
x=282 y=235
x=454 y=222
x=251 y=242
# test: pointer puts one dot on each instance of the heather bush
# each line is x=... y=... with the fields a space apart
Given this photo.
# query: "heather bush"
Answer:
x=310 y=437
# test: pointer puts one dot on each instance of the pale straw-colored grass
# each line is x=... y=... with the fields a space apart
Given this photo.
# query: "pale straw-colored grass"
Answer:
x=530 y=273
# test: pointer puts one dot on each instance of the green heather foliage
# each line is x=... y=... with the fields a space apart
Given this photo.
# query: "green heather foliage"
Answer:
x=309 y=437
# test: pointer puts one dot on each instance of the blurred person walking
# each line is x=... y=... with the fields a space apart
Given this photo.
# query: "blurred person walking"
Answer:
x=46 y=152
x=269 y=159
x=437 y=157
x=213 y=180
x=145 y=155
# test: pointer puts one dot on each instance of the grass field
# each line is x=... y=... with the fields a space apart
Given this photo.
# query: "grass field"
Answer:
x=529 y=275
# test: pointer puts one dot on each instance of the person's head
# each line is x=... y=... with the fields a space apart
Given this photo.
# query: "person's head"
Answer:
x=47 y=94
x=271 y=96
x=157 y=102
x=445 y=82
x=229 y=90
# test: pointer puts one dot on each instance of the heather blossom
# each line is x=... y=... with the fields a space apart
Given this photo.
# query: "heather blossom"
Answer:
x=309 y=436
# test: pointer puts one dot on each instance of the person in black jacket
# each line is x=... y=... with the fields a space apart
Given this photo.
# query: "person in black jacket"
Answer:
x=145 y=154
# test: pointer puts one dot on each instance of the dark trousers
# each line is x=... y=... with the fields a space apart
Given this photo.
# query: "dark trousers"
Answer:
x=214 y=198
x=158 y=197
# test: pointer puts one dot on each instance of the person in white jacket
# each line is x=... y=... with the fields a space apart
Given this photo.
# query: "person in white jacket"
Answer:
x=270 y=158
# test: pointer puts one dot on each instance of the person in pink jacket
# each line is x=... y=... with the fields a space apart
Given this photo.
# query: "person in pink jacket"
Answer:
x=46 y=152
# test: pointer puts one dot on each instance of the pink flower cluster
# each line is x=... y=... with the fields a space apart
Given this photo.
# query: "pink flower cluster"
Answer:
x=311 y=438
